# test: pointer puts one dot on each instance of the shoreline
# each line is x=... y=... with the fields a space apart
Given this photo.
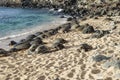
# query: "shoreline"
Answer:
x=50 y=25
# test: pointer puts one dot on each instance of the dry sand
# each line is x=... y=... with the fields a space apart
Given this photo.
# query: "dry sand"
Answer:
x=68 y=63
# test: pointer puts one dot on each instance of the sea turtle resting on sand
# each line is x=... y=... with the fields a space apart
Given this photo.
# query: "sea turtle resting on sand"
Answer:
x=3 y=52
x=36 y=40
x=21 y=46
x=12 y=43
x=80 y=28
x=99 y=58
x=60 y=40
x=84 y=47
x=41 y=49
x=38 y=33
x=58 y=28
x=13 y=50
x=65 y=28
x=51 y=32
x=30 y=37
x=32 y=49
x=57 y=46
x=99 y=33
x=88 y=29
x=115 y=63
x=42 y=36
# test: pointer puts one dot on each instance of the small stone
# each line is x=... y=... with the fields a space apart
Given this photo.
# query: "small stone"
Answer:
x=111 y=51
x=41 y=78
x=96 y=17
x=108 y=78
x=95 y=71
x=70 y=75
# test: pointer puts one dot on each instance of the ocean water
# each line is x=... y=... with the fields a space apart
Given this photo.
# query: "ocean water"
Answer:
x=15 y=21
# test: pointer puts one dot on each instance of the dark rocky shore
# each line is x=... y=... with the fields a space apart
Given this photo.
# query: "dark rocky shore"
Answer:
x=88 y=45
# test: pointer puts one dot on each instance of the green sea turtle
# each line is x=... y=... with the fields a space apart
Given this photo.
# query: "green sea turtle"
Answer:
x=32 y=49
x=88 y=29
x=41 y=49
x=57 y=46
x=21 y=46
x=3 y=52
x=84 y=47
x=60 y=41
x=100 y=57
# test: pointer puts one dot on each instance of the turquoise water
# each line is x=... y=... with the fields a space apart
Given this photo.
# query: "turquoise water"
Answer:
x=13 y=21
